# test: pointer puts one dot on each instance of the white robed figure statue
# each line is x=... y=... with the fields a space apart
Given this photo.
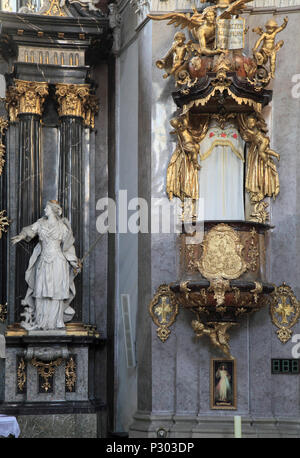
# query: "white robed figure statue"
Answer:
x=51 y=271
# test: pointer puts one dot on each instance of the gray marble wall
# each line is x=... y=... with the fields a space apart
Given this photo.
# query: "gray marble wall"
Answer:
x=127 y=254
x=279 y=394
x=96 y=305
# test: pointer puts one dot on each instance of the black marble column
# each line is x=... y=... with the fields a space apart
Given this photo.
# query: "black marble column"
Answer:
x=29 y=195
x=70 y=189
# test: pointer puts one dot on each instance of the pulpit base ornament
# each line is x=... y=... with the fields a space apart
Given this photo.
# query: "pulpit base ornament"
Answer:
x=223 y=286
x=213 y=320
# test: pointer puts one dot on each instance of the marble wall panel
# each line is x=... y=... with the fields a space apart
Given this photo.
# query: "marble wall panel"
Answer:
x=98 y=260
x=127 y=242
x=143 y=336
x=11 y=394
x=58 y=426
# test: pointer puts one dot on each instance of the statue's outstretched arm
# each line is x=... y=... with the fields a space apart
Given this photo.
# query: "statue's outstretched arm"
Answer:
x=27 y=234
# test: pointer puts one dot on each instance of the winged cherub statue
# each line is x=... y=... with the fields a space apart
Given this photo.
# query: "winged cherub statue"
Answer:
x=175 y=58
x=201 y=25
x=268 y=49
x=217 y=332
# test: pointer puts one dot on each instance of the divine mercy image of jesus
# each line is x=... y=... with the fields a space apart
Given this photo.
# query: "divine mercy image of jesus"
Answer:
x=223 y=394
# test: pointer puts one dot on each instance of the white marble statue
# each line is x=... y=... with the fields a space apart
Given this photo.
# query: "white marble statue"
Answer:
x=51 y=271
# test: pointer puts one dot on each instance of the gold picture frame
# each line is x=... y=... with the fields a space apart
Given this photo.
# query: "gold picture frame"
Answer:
x=223 y=388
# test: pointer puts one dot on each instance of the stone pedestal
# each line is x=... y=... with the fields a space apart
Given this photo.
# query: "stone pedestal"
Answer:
x=51 y=377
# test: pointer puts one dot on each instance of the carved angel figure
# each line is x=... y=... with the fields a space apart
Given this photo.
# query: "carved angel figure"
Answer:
x=51 y=271
x=262 y=176
x=268 y=48
x=175 y=58
x=201 y=25
x=188 y=140
x=182 y=173
x=217 y=332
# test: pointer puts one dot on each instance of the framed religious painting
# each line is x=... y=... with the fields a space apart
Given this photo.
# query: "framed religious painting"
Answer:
x=223 y=384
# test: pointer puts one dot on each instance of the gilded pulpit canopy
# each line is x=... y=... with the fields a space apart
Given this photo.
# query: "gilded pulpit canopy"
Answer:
x=226 y=151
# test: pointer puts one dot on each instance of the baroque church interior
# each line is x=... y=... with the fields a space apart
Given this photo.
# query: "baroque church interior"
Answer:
x=149 y=282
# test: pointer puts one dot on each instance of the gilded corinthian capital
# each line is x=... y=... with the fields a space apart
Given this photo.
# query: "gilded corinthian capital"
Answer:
x=27 y=97
x=71 y=99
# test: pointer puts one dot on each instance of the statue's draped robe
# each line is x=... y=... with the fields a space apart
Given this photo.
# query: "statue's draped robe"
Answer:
x=49 y=276
x=182 y=175
x=261 y=178
x=221 y=178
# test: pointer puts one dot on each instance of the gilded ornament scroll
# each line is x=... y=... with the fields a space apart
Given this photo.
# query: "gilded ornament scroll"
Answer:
x=284 y=311
x=4 y=222
x=71 y=374
x=3 y=127
x=163 y=310
x=21 y=374
x=46 y=372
